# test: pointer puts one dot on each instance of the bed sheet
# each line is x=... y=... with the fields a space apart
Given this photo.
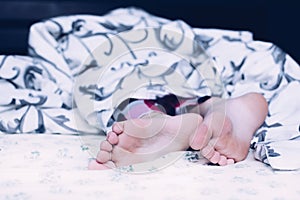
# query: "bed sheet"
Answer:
x=55 y=167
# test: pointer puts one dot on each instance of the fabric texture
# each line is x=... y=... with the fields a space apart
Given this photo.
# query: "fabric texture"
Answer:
x=57 y=88
x=55 y=167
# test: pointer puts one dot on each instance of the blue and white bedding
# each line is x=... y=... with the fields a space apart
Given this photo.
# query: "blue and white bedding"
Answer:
x=57 y=87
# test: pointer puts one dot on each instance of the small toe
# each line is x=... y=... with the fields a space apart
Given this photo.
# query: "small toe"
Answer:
x=215 y=158
x=106 y=146
x=230 y=161
x=118 y=127
x=112 y=138
x=103 y=156
x=222 y=161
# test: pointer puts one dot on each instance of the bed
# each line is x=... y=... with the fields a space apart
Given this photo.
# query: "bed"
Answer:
x=50 y=157
x=57 y=169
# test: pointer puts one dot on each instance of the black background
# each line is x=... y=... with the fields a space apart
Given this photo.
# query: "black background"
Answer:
x=273 y=21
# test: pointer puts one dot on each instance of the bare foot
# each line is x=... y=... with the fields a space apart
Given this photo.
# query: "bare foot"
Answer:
x=228 y=127
x=145 y=139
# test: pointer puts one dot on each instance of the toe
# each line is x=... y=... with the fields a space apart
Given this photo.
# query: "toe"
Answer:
x=103 y=156
x=106 y=146
x=110 y=165
x=222 y=161
x=200 y=138
x=112 y=138
x=230 y=161
x=118 y=127
x=215 y=158
x=208 y=151
x=94 y=165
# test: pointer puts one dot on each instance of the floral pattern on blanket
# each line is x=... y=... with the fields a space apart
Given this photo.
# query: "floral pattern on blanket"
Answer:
x=29 y=92
x=38 y=90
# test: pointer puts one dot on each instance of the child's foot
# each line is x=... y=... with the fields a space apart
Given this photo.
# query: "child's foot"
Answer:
x=145 y=139
x=228 y=127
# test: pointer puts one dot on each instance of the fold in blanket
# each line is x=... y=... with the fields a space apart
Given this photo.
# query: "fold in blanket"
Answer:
x=79 y=70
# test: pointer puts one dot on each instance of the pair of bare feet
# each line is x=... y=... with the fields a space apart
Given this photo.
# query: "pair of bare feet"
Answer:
x=222 y=135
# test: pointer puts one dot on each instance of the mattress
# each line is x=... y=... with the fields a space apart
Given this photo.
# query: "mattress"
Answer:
x=55 y=167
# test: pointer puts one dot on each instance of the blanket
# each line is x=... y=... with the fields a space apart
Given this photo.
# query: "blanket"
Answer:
x=55 y=167
x=81 y=67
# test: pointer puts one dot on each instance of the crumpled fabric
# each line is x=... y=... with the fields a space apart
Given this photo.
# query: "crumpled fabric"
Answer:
x=74 y=76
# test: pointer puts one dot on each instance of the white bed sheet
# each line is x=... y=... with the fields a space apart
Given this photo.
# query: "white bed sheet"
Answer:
x=55 y=167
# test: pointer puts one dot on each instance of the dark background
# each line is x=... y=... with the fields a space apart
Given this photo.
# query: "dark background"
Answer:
x=273 y=21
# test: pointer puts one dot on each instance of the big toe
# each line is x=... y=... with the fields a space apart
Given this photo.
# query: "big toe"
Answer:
x=200 y=138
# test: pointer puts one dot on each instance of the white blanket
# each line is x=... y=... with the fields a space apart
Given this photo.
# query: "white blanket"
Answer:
x=64 y=52
x=54 y=167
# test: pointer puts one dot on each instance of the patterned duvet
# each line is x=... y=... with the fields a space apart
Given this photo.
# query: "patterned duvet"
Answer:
x=52 y=90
